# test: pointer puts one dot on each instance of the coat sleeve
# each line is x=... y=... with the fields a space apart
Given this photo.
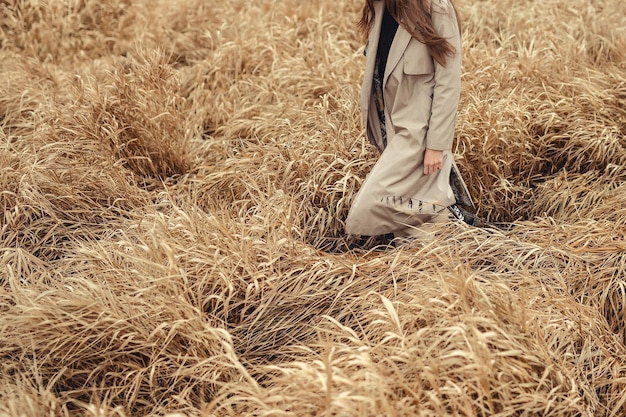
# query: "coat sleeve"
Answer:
x=447 y=87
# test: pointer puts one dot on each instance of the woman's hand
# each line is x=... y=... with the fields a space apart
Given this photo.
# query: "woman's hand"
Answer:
x=433 y=160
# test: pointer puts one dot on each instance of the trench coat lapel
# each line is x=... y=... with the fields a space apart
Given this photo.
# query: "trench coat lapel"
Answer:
x=372 y=48
x=399 y=45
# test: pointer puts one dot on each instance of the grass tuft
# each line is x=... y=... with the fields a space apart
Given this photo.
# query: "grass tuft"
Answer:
x=174 y=179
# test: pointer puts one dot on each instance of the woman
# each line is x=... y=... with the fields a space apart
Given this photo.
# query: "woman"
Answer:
x=409 y=101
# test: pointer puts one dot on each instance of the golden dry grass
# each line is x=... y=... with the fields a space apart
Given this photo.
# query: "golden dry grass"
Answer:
x=174 y=177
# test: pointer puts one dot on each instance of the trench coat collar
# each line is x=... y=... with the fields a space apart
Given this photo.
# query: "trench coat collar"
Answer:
x=398 y=46
x=372 y=48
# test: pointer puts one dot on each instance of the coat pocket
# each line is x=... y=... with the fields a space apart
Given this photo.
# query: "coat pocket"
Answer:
x=417 y=60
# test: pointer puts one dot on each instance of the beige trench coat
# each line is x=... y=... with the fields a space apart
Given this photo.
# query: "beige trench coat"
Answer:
x=421 y=100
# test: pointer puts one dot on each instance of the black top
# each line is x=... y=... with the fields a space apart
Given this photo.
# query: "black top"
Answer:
x=387 y=33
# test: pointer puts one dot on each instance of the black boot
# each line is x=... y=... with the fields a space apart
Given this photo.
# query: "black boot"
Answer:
x=380 y=243
x=466 y=216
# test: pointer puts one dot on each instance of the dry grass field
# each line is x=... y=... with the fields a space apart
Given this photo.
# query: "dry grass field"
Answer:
x=174 y=177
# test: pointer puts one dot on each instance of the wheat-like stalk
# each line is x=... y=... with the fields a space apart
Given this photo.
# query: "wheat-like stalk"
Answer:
x=174 y=179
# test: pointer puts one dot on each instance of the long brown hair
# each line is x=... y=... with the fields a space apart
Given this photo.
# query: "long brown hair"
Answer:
x=418 y=13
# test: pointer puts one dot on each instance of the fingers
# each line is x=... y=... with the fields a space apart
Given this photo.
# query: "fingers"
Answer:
x=433 y=161
x=431 y=169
